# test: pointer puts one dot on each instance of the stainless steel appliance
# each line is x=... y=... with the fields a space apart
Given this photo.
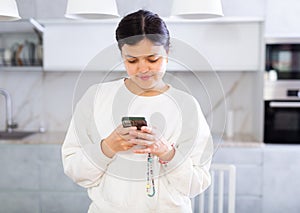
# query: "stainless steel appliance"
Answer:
x=282 y=112
x=283 y=56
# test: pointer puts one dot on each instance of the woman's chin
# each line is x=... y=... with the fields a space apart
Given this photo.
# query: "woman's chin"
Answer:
x=146 y=84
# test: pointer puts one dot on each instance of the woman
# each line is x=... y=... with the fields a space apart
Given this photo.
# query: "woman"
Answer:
x=153 y=169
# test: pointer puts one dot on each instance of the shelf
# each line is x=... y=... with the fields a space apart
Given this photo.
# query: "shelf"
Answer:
x=23 y=25
x=21 y=69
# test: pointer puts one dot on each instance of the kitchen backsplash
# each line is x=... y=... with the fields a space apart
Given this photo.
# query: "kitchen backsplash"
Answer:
x=44 y=99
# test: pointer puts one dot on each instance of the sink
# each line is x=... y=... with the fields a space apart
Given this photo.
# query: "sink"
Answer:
x=15 y=135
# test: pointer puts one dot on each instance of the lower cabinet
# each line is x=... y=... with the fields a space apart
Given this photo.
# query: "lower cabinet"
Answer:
x=249 y=176
x=32 y=179
x=281 y=176
x=268 y=178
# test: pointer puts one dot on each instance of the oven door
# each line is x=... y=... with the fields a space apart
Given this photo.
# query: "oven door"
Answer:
x=282 y=122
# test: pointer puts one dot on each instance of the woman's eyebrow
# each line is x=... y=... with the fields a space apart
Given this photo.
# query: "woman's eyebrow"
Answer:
x=150 y=55
x=154 y=54
x=130 y=56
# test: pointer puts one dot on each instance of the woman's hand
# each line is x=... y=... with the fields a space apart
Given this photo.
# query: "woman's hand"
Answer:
x=154 y=143
x=117 y=141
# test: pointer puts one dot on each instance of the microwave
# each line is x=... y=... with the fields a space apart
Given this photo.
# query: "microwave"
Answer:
x=283 y=56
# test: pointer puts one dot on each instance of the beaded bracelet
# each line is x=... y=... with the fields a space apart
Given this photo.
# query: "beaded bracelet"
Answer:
x=165 y=162
x=162 y=162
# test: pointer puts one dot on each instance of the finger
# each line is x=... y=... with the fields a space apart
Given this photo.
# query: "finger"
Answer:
x=142 y=151
x=147 y=129
x=126 y=144
x=141 y=142
x=127 y=137
x=125 y=130
x=141 y=135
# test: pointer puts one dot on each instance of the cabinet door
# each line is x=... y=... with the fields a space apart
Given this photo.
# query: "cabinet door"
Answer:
x=227 y=46
x=254 y=8
x=281 y=179
x=249 y=172
x=71 y=47
x=282 y=18
x=46 y=9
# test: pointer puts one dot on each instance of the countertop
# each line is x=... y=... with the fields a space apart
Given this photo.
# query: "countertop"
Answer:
x=39 y=138
x=58 y=138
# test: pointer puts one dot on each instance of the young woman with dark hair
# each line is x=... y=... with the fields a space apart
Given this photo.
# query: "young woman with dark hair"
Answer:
x=154 y=168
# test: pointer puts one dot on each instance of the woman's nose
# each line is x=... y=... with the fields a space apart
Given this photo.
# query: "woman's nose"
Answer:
x=143 y=66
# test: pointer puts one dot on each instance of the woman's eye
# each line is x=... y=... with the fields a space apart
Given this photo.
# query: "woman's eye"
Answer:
x=131 y=61
x=152 y=60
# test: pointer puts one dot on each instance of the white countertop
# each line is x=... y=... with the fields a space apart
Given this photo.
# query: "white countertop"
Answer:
x=39 y=138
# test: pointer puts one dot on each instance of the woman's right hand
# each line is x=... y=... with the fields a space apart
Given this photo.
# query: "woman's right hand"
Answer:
x=117 y=141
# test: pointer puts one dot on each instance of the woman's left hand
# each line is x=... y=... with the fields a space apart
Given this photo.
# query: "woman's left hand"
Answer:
x=154 y=142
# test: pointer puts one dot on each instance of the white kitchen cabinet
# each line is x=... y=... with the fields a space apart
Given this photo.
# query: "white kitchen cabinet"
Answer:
x=222 y=45
x=71 y=46
x=249 y=173
x=33 y=181
x=227 y=44
x=254 y=8
x=281 y=178
x=282 y=18
x=46 y=9
x=42 y=9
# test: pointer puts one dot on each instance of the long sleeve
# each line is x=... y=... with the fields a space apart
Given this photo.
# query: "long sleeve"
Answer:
x=188 y=171
x=83 y=159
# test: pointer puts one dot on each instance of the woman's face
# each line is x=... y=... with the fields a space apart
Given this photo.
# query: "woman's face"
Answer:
x=145 y=64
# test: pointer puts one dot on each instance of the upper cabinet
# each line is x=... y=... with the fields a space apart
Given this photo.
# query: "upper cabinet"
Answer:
x=282 y=18
x=223 y=45
x=42 y=9
x=226 y=44
x=238 y=8
x=72 y=46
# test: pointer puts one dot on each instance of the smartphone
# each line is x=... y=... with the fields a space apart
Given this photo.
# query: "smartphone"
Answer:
x=134 y=121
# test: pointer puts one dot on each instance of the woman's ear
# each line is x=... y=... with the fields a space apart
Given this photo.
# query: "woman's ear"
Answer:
x=167 y=56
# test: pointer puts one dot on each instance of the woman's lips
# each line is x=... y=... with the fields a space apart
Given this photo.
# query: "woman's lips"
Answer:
x=145 y=77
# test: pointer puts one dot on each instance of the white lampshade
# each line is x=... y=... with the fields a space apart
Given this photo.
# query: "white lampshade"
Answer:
x=197 y=9
x=91 y=9
x=9 y=10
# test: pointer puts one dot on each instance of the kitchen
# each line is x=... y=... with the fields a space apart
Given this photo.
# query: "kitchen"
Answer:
x=231 y=95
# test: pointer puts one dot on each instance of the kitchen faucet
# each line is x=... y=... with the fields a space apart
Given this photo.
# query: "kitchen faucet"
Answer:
x=10 y=125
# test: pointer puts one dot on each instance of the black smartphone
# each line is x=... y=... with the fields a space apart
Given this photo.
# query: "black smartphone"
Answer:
x=134 y=121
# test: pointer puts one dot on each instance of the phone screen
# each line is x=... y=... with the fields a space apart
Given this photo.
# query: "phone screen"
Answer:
x=134 y=121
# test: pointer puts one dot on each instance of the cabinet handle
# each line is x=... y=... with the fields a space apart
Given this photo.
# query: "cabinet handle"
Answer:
x=285 y=104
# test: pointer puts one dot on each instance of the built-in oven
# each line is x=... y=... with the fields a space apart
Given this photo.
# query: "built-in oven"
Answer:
x=283 y=57
x=282 y=121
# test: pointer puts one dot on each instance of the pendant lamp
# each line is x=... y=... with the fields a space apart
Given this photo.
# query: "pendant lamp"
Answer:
x=197 y=9
x=9 y=10
x=91 y=9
